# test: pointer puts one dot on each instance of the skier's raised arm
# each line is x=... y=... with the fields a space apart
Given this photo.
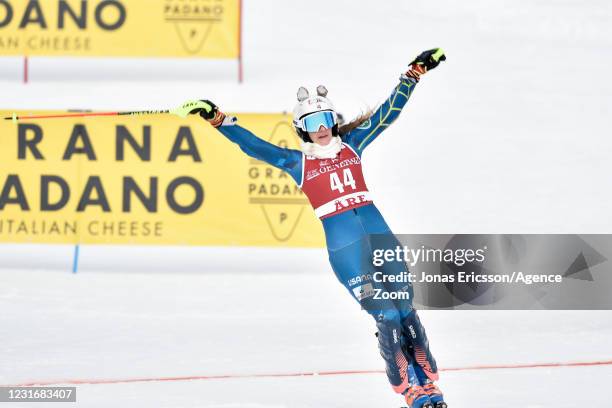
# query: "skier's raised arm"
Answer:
x=360 y=137
x=285 y=159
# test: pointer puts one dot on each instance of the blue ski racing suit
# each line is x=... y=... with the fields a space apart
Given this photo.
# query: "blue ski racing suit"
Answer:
x=402 y=340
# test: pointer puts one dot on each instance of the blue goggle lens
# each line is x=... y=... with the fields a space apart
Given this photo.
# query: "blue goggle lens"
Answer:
x=314 y=121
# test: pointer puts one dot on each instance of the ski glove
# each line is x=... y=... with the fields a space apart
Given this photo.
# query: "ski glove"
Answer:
x=209 y=111
x=430 y=58
x=424 y=62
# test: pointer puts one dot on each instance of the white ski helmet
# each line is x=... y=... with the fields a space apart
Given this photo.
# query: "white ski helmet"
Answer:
x=313 y=111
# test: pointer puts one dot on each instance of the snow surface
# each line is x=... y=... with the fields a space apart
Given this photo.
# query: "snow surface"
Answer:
x=509 y=135
x=101 y=325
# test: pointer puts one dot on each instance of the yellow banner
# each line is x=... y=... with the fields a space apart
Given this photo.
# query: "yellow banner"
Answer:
x=123 y=28
x=147 y=180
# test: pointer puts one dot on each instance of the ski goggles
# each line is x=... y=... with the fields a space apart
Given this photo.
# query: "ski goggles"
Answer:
x=314 y=121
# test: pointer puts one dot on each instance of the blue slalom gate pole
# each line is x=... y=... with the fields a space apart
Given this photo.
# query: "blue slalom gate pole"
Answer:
x=75 y=260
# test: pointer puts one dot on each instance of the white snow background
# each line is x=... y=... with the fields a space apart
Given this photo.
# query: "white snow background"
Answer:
x=509 y=135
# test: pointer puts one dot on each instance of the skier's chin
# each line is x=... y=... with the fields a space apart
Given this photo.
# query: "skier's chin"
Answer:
x=323 y=140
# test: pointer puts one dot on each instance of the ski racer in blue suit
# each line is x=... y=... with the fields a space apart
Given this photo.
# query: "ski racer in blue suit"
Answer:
x=349 y=228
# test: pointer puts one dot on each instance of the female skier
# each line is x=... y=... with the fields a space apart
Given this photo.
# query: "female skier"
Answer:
x=328 y=170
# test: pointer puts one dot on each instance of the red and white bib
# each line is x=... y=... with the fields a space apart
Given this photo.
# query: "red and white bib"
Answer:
x=334 y=185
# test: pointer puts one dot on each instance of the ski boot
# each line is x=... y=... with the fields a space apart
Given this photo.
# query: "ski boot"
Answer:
x=435 y=395
x=416 y=397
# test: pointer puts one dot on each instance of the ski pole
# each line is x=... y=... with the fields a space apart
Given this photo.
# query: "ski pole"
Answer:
x=181 y=111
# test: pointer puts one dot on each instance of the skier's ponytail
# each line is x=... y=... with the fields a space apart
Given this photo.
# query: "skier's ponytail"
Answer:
x=355 y=123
